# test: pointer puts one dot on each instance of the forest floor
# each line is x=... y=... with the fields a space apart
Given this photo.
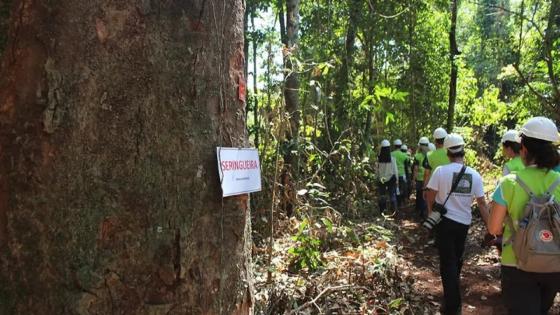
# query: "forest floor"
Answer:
x=480 y=277
x=376 y=265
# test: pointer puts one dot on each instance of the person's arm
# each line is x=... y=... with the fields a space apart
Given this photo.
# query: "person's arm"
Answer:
x=483 y=207
x=430 y=199
x=427 y=171
x=499 y=211
x=496 y=219
x=432 y=190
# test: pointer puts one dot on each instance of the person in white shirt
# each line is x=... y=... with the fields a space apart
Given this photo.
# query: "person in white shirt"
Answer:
x=387 y=177
x=451 y=232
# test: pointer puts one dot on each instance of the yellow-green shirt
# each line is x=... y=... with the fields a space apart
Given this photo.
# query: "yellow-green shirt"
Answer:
x=400 y=157
x=513 y=166
x=419 y=161
x=510 y=194
x=436 y=158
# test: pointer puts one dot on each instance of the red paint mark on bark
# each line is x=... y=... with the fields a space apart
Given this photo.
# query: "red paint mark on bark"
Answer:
x=242 y=89
x=101 y=29
x=107 y=230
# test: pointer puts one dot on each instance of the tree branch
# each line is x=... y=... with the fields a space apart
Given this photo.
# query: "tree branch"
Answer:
x=493 y=6
x=327 y=290
x=543 y=98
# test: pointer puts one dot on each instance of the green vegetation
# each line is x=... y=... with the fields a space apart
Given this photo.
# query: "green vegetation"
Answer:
x=372 y=70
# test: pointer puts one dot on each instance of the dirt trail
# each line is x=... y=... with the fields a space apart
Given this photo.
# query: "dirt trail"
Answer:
x=480 y=277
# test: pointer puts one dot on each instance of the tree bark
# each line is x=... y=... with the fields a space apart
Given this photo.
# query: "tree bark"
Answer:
x=4 y=19
x=347 y=63
x=453 y=52
x=110 y=116
x=255 y=80
x=291 y=97
x=412 y=68
x=291 y=90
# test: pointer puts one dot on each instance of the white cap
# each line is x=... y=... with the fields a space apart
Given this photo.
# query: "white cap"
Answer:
x=510 y=135
x=424 y=141
x=440 y=133
x=540 y=128
x=385 y=143
x=404 y=147
x=454 y=143
x=431 y=146
x=397 y=142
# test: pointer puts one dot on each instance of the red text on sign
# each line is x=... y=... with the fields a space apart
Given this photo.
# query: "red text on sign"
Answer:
x=239 y=165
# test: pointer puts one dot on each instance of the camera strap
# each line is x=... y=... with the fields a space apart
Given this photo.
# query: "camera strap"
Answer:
x=455 y=183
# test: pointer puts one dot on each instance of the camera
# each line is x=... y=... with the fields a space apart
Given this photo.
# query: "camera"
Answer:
x=435 y=217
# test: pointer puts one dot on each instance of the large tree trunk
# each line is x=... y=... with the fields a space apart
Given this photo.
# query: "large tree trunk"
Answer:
x=341 y=95
x=110 y=203
x=453 y=52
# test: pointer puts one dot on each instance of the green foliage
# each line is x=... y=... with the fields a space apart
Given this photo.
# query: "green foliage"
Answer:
x=397 y=87
x=306 y=254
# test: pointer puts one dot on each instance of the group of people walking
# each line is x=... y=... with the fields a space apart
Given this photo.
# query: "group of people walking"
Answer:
x=523 y=211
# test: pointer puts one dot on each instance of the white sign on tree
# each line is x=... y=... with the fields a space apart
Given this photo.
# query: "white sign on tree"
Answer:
x=239 y=170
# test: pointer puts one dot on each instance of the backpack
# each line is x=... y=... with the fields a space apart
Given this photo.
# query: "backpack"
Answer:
x=536 y=241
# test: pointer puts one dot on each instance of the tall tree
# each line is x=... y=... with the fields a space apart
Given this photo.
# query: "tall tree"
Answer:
x=289 y=29
x=291 y=90
x=548 y=60
x=110 y=116
x=341 y=96
x=453 y=52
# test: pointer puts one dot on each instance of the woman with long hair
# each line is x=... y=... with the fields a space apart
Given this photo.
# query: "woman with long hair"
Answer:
x=524 y=292
x=387 y=177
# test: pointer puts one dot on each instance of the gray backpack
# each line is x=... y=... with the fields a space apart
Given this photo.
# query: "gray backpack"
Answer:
x=536 y=240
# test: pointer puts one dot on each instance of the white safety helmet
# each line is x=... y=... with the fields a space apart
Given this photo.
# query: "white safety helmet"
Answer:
x=540 y=128
x=423 y=141
x=397 y=142
x=404 y=147
x=385 y=143
x=454 y=143
x=440 y=133
x=431 y=146
x=511 y=135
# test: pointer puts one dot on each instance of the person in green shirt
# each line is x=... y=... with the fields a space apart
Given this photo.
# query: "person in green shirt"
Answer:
x=407 y=170
x=527 y=292
x=435 y=158
x=400 y=157
x=510 y=149
x=418 y=175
